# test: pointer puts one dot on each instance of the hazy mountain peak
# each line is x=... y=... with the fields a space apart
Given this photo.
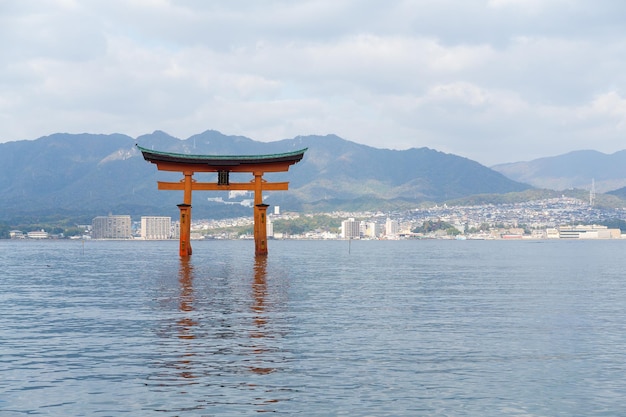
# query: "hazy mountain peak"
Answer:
x=576 y=169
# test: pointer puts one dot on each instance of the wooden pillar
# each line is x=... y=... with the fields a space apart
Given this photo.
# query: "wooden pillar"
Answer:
x=260 y=229
x=185 y=216
x=185 y=230
x=260 y=237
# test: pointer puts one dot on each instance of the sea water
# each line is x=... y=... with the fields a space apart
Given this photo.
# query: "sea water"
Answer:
x=317 y=328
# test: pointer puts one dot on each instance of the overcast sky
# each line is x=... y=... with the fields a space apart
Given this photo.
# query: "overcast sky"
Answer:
x=491 y=80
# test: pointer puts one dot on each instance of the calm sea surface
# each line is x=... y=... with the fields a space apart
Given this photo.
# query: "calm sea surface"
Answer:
x=367 y=328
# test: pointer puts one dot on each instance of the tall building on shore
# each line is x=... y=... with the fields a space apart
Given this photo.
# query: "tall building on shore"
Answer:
x=270 y=227
x=156 y=228
x=111 y=227
x=391 y=227
x=370 y=229
x=351 y=229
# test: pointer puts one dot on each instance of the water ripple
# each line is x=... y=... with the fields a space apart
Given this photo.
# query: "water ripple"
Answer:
x=382 y=329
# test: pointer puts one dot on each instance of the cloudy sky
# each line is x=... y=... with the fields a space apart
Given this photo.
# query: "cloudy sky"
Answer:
x=492 y=80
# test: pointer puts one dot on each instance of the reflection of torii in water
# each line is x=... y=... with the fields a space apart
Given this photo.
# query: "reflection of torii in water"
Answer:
x=223 y=165
x=211 y=347
x=259 y=292
x=186 y=324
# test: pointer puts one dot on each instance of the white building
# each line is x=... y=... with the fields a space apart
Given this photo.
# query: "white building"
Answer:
x=350 y=229
x=392 y=228
x=552 y=233
x=269 y=226
x=369 y=229
x=111 y=227
x=38 y=234
x=16 y=234
x=588 y=232
x=156 y=227
x=176 y=230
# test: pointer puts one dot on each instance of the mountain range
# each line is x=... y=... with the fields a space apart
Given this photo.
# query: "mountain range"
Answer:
x=85 y=175
x=578 y=169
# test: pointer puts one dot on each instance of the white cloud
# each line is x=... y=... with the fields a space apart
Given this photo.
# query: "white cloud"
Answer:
x=493 y=80
x=530 y=6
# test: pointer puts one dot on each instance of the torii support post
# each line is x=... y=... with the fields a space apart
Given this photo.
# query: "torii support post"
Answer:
x=260 y=229
x=185 y=230
x=260 y=216
x=223 y=165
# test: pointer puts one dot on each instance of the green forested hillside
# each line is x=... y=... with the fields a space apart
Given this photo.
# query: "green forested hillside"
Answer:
x=81 y=176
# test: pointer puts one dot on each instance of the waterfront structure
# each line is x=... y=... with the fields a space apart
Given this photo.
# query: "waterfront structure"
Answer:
x=351 y=229
x=176 y=230
x=270 y=227
x=38 y=234
x=223 y=165
x=588 y=232
x=369 y=229
x=111 y=227
x=156 y=227
x=16 y=234
x=552 y=233
x=391 y=227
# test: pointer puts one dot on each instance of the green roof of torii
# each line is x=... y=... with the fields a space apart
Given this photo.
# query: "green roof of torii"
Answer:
x=221 y=160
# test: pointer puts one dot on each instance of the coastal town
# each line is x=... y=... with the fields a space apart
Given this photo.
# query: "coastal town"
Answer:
x=556 y=218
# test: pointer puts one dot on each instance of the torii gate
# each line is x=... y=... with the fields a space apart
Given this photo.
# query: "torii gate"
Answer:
x=223 y=165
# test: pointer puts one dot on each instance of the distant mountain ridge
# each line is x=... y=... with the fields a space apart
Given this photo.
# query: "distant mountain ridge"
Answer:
x=87 y=174
x=576 y=169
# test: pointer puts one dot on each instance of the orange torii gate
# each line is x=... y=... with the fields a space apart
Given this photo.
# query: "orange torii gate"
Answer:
x=223 y=165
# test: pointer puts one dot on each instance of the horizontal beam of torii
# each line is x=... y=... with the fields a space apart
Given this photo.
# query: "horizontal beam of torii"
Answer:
x=236 y=186
x=257 y=165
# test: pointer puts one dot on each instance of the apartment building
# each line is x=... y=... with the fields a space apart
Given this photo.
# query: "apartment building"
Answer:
x=111 y=227
x=156 y=227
